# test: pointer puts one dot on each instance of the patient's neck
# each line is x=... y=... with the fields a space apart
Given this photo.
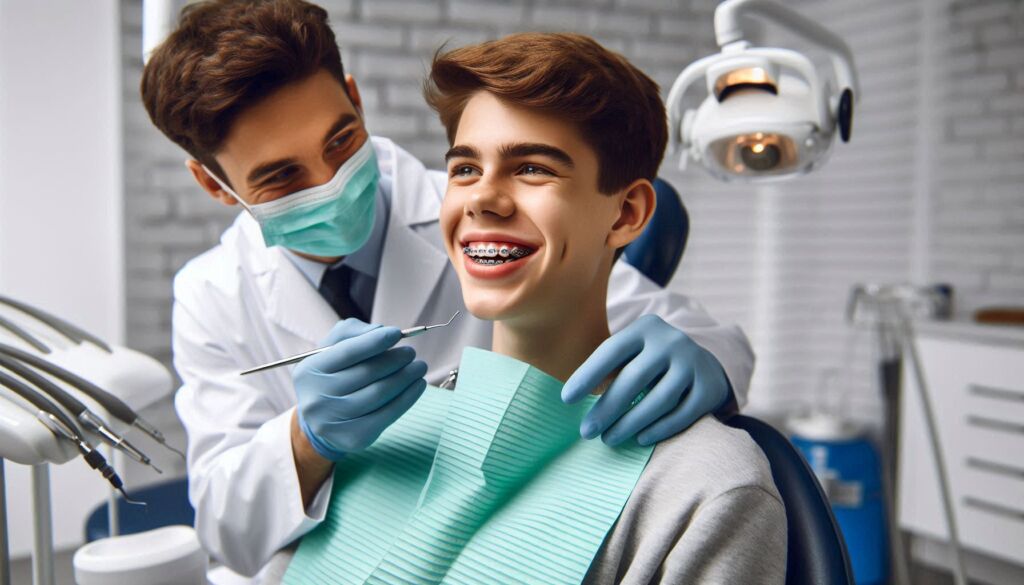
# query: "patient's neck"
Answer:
x=557 y=343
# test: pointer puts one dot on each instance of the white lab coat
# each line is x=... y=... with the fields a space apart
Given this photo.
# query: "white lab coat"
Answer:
x=242 y=304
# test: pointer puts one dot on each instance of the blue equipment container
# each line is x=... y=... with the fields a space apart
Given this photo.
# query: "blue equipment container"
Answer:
x=848 y=467
x=167 y=505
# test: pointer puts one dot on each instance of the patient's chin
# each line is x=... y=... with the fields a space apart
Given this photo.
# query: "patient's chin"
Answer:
x=489 y=306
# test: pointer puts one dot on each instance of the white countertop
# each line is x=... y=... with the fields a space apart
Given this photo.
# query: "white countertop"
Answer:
x=970 y=331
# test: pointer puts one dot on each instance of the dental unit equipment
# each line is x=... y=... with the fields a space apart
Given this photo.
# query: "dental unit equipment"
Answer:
x=59 y=387
x=891 y=308
x=77 y=408
x=23 y=335
x=72 y=332
x=410 y=332
x=769 y=114
x=114 y=405
x=62 y=426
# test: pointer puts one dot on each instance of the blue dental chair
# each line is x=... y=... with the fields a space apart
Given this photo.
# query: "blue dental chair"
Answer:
x=166 y=505
x=816 y=552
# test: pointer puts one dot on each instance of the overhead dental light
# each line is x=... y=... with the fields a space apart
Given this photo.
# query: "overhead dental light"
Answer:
x=769 y=113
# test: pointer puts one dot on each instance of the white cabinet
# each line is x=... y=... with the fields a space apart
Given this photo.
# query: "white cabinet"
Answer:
x=975 y=376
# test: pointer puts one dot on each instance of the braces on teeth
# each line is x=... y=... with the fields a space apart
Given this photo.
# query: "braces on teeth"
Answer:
x=495 y=254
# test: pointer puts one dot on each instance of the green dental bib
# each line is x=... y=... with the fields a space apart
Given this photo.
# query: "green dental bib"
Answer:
x=490 y=483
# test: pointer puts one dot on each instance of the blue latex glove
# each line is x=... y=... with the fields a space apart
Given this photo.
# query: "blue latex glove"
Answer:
x=685 y=380
x=351 y=392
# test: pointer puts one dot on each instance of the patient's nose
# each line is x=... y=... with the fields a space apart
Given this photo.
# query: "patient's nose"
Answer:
x=487 y=198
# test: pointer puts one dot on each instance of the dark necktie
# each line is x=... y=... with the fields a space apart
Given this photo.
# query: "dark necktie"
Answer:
x=336 y=289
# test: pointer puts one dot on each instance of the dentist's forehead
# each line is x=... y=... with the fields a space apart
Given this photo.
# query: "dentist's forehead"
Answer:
x=290 y=122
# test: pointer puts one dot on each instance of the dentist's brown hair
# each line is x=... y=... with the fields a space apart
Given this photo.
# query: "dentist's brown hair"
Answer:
x=226 y=55
x=617 y=108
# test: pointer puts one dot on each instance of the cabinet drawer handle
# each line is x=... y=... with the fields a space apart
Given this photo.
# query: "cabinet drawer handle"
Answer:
x=996 y=393
x=995 y=424
x=993 y=467
x=996 y=509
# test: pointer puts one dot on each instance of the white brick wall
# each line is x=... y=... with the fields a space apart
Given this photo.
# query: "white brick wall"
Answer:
x=977 y=206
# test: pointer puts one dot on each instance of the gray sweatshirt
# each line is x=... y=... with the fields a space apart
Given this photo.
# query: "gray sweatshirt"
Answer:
x=705 y=510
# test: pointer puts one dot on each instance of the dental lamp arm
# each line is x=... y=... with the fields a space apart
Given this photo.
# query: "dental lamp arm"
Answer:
x=692 y=73
x=729 y=29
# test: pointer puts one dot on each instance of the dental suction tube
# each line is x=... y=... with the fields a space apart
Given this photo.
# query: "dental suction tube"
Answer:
x=63 y=426
x=25 y=336
x=111 y=403
x=75 y=407
x=72 y=332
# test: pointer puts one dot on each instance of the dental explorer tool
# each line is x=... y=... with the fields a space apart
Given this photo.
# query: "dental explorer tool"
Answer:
x=410 y=332
x=114 y=405
x=61 y=425
x=76 y=407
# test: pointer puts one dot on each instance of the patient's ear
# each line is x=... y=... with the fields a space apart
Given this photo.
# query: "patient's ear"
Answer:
x=635 y=211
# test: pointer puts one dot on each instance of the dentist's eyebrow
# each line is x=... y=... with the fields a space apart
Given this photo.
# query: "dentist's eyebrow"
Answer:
x=522 y=149
x=266 y=169
x=461 y=151
x=345 y=119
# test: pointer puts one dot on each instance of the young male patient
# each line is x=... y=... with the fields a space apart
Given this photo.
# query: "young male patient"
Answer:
x=554 y=144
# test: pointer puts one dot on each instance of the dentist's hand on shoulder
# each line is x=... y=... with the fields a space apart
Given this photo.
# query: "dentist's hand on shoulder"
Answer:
x=348 y=394
x=685 y=382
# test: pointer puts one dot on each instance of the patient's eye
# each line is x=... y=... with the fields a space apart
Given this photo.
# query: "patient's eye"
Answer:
x=462 y=171
x=531 y=169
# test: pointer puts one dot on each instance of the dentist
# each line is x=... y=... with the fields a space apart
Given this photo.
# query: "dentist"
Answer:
x=340 y=234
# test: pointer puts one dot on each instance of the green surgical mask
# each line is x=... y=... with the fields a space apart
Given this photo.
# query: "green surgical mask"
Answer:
x=333 y=219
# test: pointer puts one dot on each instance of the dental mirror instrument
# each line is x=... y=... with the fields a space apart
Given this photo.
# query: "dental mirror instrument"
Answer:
x=410 y=332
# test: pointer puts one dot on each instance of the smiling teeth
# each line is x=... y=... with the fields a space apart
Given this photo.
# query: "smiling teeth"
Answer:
x=493 y=254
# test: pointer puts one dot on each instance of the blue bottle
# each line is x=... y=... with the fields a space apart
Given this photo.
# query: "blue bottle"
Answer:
x=848 y=467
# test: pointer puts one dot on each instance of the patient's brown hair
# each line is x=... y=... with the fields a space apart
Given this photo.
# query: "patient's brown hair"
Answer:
x=226 y=55
x=617 y=108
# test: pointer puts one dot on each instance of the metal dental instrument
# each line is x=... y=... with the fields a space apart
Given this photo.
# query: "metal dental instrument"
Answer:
x=419 y=330
x=76 y=407
x=114 y=405
x=410 y=332
x=63 y=426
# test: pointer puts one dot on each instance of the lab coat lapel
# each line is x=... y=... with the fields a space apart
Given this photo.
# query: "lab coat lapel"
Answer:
x=292 y=303
x=412 y=262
